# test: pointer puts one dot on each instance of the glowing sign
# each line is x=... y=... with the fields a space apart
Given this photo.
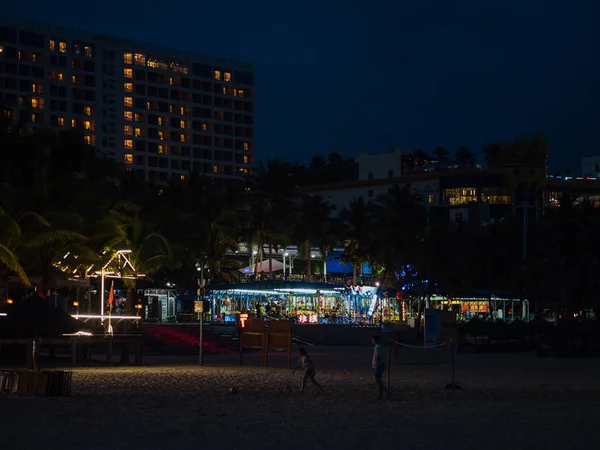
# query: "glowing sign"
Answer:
x=308 y=318
x=403 y=311
x=243 y=318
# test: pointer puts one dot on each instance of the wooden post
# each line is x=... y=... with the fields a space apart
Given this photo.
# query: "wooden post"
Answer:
x=266 y=349
x=109 y=351
x=241 y=347
x=73 y=350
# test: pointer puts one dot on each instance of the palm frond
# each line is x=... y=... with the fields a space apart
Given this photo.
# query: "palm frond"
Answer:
x=8 y=258
x=53 y=236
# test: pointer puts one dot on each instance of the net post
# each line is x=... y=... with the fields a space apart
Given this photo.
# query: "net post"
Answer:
x=389 y=363
x=452 y=351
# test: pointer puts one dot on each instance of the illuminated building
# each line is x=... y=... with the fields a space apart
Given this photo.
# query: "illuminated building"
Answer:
x=162 y=113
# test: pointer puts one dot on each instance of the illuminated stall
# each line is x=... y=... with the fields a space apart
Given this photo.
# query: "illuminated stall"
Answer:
x=301 y=302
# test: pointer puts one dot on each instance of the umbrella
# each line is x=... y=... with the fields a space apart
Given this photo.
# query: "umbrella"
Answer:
x=35 y=317
x=263 y=267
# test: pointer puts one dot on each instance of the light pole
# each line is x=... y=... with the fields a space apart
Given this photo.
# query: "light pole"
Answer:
x=285 y=254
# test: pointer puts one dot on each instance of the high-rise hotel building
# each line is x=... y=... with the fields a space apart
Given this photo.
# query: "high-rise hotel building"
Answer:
x=162 y=112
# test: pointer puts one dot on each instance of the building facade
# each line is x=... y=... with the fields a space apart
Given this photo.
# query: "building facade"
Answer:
x=475 y=195
x=162 y=112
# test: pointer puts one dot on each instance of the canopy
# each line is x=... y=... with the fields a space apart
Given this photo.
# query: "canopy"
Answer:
x=263 y=267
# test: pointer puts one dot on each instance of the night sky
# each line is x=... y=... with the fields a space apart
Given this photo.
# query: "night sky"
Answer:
x=352 y=76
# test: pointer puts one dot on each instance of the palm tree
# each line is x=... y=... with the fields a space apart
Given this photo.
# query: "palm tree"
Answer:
x=10 y=233
x=442 y=154
x=420 y=157
x=358 y=220
x=464 y=157
x=312 y=226
x=150 y=250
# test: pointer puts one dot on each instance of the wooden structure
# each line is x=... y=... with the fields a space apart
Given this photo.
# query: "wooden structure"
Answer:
x=77 y=345
x=448 y=327
x=253 y=335
x=279 y=337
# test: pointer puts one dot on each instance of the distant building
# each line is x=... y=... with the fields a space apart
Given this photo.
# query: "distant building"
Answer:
x=478 y=196
x=162 y=112
x=590 y=166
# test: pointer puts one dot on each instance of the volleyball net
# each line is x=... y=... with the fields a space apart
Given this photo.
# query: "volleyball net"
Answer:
x=423 y=355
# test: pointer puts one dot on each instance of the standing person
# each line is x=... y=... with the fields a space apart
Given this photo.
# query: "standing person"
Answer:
x=309 y=369
x=257 y=310
x=378 y=366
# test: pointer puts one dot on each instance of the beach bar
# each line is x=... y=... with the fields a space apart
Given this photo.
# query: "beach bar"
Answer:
x=301 y=302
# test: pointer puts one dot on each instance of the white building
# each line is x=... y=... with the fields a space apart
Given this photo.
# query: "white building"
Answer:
x=161 y=112
x=377 y=175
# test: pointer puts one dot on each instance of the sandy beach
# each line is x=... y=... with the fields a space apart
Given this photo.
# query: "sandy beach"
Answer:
x=517 y=401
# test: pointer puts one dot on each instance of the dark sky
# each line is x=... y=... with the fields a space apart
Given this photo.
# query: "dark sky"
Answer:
x=351 y=76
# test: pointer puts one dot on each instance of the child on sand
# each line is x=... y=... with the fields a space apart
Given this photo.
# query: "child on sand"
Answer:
x=378 y=366
x=309 y=369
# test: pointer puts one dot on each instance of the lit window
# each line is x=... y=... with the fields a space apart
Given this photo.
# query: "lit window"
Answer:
x=161 y=135
x=160 y=121
x=88 y=51
x=461 y=196
x=88 y=125
x=215 y=168
x=128 y=73
x=136 y=117
x=225 y=90
x=33 y=57
x=128 y=116
x=35 y=103
x=60 y=76
x=128 y=87
x=149 y=105
x=140 y=59
x=204 y=127
x=235 y=92
x=87 y=110
x=128 y=58
x=162 y=149
x=128 y=144
x=182 y=124
x=34 y=87
x=182 y=110
x=138 y=132
x=217 y=74
x=34 y=118
x=246 y=160
x=19 y=54
x=62 y=47
x=74 y=79
x=246 y=146
x=73 y=123
x=182 y=177
x=227 y=76
x=128 y=158
x=90 y=140
x=241 y=93
x=61 y=121
x=128 y=101
x=52 y=45
x=170 y=80
x=20 y=100
x=128 y=130
x=170 y=108
x=182 y=138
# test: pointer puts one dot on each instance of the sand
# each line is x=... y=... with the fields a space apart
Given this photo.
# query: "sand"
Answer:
x=507 y=401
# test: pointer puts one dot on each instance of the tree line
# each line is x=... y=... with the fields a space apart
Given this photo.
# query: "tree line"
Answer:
x=63 y=206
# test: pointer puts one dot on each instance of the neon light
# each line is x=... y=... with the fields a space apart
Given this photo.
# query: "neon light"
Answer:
x=92 y=316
